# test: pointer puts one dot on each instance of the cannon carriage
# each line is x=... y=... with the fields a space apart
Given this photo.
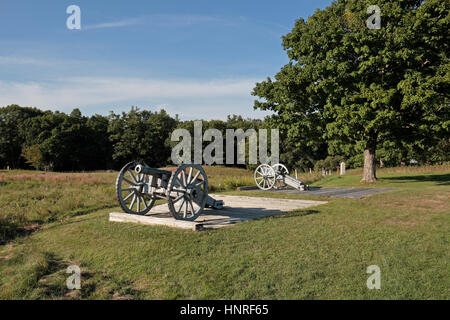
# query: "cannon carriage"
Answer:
x=138 y=186
x=276 y=177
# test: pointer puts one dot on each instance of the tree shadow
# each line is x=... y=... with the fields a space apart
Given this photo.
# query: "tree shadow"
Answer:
x=94 y=284
x=440 y=179
x=51 y=281
x=295 y=213
x=8 y=230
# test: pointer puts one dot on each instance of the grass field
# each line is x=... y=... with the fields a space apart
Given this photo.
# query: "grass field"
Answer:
x=50 y=221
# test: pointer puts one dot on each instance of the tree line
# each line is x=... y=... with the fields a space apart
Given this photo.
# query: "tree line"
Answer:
x=53 y=140
x=56 y=141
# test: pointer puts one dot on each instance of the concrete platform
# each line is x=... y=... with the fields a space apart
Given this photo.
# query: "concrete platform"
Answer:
x=236 y=209
x=352 y=193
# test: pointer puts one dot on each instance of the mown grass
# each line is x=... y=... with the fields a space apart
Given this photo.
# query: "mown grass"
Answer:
x=391 y=179
x=316 y=253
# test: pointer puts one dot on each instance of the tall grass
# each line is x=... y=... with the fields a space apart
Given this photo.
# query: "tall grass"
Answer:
x=308 y=178
x=221 y=178
x=36 y=198
x=31 y=198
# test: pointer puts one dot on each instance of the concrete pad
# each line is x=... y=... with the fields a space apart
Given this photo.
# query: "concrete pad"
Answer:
x=353 y=193
x=236 y=209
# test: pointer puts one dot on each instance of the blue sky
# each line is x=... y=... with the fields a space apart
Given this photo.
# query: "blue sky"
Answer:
x=198 y=59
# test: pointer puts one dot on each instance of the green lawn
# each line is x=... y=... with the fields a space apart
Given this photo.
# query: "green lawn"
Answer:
x=316 y=253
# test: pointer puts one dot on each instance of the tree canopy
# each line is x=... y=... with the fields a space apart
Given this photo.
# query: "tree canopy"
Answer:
x=358 y=88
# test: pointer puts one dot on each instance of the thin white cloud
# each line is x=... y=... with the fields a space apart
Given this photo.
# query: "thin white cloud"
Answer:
x=12 y=60
x=115 y=24
x=164 y=20
x=187 y=97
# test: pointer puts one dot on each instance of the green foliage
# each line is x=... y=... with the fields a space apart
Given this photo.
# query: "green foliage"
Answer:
x=33 y=156
x=58 y=141
x=12 y=119
x=233 y=122
x=329 y=163
x=358 y=88
x=141 y=135
x=69 y=142
x=301 y=142
x=355 y=161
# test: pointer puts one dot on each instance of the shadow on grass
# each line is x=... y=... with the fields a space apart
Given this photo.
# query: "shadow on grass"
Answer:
x=441 y=179
x=43 y=275
x=84 y=211
x=100 y=285
x=9 y=230
x=51 y=289
x=296 y=213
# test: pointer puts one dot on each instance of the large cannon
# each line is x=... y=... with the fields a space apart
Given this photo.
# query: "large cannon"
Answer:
x=277 y=177
x=185 y=189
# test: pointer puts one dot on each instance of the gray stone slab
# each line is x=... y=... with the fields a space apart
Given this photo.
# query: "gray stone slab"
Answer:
x=353 y=193
x=236 y=209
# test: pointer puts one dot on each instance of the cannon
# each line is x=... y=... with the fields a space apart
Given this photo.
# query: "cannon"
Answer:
x=138 y=186
x=277 y=177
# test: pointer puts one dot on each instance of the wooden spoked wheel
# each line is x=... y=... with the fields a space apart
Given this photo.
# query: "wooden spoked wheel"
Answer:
x=280 y=172
x=264 y=177
x=132 y=190
x=187 y=192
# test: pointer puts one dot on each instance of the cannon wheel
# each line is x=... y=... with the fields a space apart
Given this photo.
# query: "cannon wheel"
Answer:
x=187 y=192
x=131 y=190
x=264 y=177
x=280 y=172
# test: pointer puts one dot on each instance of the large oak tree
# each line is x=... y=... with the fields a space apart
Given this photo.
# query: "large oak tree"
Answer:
x=361 y=87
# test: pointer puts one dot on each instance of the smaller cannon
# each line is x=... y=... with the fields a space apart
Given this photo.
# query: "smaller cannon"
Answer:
x=138 y=186
x=277 y=177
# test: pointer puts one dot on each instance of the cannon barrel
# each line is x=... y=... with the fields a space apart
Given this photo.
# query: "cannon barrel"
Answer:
x=142 y=168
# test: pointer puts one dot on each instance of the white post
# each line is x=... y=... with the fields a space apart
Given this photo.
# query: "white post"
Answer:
x=342 y=171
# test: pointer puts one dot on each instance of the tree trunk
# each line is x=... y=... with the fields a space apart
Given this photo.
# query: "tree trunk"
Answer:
x=369 y=165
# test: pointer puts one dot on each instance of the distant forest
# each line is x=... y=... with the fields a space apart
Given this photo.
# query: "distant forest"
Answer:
x=56 y=141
